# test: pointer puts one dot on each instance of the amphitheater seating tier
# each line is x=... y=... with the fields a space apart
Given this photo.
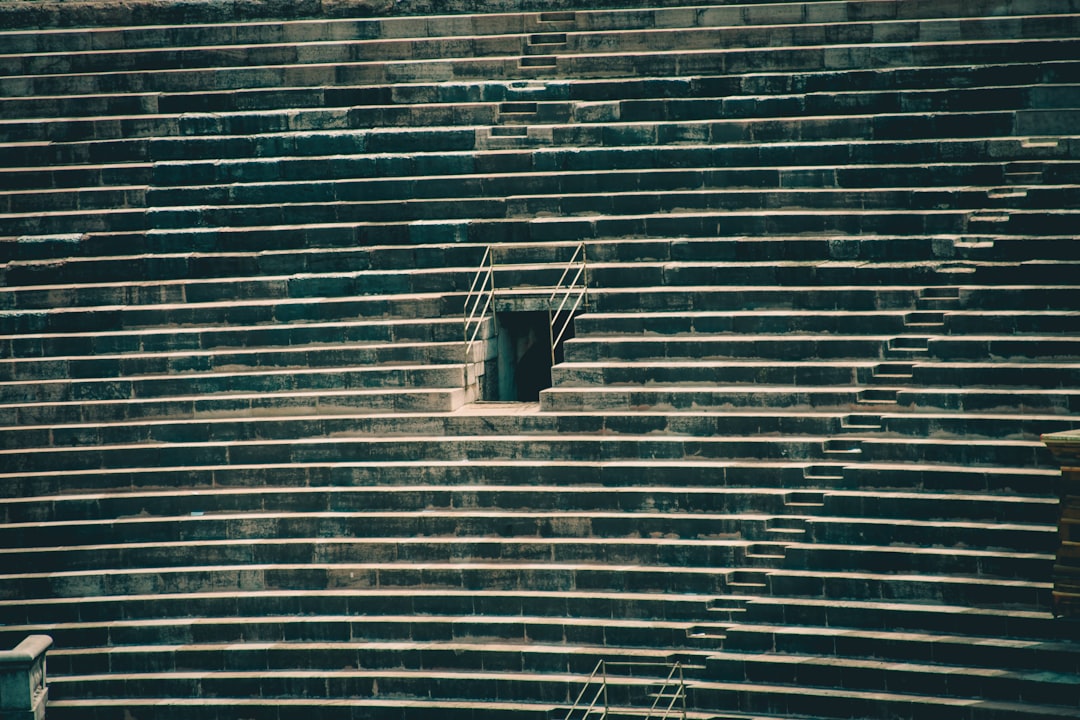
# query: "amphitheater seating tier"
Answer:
x=250 y=465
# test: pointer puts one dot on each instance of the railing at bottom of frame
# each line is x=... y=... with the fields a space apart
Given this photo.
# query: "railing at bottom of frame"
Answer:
x=668 y=697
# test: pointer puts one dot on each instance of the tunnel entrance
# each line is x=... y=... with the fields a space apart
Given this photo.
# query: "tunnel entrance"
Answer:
x=525 y=355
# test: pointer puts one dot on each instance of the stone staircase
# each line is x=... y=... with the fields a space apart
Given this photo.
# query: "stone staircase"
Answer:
x=247 y=463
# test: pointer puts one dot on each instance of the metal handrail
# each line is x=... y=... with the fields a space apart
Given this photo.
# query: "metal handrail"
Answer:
x=677 y=695
x=601 y=691
x=581 y=275
x=672 y=689
x=481 y=290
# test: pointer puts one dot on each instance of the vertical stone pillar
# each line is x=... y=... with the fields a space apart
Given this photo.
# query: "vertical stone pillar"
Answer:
x=1066 y=449
x=23 y=692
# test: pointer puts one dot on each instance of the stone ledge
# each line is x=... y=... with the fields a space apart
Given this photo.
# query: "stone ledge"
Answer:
x=27 y=14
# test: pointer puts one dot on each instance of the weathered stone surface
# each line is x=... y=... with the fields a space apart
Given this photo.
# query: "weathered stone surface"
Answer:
x=793 y=441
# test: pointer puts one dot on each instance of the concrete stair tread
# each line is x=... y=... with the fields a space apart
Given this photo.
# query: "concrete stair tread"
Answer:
x=458 y=21
x=922 y=200
x=315 y=706
x=656 y=388
x=532 y=566
x=660 y=155
x=975 y=643
x=944 y=579
x=463 y=645
x=619 y=547
x=915 y=606
x=255 y=371
x=218 y=516
x=510 y=541
x=796 y=335
x=412 y=296
x=239 y=280
x=903 y=549
x=231 y=328
x=845 y=363
x=67 y=506
x=851 y=442
x=772 y=465
x=803 y=696
x=231 y=354
x=394 y=594
x=223 y=404
x=471 y=623
x=917 y=523
x=786 y=43
x=892 y=666
x=548 y=421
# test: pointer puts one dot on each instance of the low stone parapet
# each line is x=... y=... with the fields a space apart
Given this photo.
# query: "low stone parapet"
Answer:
x=1066 y=449
x=23 y=692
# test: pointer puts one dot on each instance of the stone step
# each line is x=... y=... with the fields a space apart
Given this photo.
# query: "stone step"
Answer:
x=900 y=616
x=931 y=589
x=942 y=376
x=269 y=311
x=656 y=325
x=294 y=413
x=154 y=265
x=879 y=506
x=79 y=646
x=920 y=206
x=136 y=175
x=702 y=32
x=855 y=298
x=819 y=536
x=437 y=685
x=900 y=646
x=559 y=556
x=1022 y=537
x=1013 y=453
x=75 y=71
x=173 y=32
x=215 y=160
x=252 y=405
x=456 y=575
x=459 y=111
x=1052 y=688
x=223 y=708
x=795 y=475
x=925 y=505
x=854 y=399
x=807 y=80
x=460 y=153
x=195 y=608
x=824 y=271
x=506 y=575
x=188 y=184
x=255 y=380
x=621 y=53
x=208 y=338
x=69 y=222
x=793 y=345
x=21 y=201
x=771 y=698
x=1029 y=566
x=491 y=225
x=468 y=539
x=186 y=362
x=89 y=258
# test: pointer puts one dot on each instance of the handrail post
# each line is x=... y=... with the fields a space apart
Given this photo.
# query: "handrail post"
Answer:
x=481 y=291
x=571 y=286
x=23 y=690
x=607 y=706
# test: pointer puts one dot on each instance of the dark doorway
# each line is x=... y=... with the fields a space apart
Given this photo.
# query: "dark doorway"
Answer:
x=524 y=355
